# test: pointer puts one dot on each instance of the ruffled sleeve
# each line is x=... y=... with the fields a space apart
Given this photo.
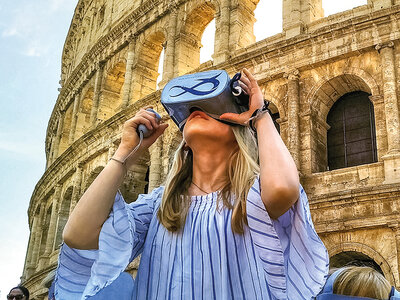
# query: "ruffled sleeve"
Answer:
x=83 y=273
x=294 y=259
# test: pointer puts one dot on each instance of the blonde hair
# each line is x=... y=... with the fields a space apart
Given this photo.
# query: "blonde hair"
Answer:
x=242 y=171
x=362 y=282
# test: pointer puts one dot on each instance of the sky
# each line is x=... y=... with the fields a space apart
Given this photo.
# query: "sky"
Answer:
x=32 y=35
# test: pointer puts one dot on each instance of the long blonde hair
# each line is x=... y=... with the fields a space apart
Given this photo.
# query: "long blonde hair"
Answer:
x=242 y=170
x=362 y=282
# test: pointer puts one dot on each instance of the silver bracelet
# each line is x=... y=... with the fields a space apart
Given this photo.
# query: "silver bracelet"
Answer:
x=122 y=163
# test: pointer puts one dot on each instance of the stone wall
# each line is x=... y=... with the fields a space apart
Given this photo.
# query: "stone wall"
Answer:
x=109 y=71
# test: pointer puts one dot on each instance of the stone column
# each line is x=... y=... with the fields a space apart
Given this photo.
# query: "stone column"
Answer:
x=53 y=221
x=390 y=96
x=37 y=231
x=169 y=56
x=297 y=14
x=155 y=165
x=380 y=124
x=126 y=89
x=32 y=240
x=74 y=116
x=397 y=274
x=379 y=4
x=58 y=135
x=96 y=96
x=293 y=115
x=77 y=188
x=222 y=33
x=392 y=157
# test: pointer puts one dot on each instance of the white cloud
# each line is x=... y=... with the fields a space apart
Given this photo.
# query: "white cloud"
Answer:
x=33 y=151
x=9 y=32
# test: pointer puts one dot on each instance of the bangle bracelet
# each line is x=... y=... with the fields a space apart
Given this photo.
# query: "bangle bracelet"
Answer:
x=257 y=114
x=122 y=163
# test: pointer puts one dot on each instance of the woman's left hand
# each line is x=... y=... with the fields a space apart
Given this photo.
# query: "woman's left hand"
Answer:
x=256 y=100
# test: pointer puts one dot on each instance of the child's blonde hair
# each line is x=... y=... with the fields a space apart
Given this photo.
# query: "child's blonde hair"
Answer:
x=362 y=282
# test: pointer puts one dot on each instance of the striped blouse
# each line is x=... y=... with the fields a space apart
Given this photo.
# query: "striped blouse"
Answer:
x=273 y=259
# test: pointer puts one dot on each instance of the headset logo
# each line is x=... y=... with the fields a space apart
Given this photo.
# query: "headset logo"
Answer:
x=194 y=89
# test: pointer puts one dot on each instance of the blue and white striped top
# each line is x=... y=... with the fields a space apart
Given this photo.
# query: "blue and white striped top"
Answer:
x=273 y=259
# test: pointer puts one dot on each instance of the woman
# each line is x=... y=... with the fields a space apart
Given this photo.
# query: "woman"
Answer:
x=18 y=293
x=223 y=227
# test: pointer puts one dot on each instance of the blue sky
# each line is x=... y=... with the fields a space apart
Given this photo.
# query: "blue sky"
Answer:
x=32 y=34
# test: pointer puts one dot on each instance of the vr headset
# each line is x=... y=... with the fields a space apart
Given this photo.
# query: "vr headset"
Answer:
x=212 y=92
x=327 y=292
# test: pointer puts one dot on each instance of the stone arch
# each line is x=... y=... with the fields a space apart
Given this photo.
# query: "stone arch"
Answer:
x=190 y=30
x=320 y=100
x=369 y=252
x=137 y=179
x=111 y=92
x=83 y=118
x=332 y=86
x=93 y=174
x=145 y=74
x=278 y=98
x=62 y=216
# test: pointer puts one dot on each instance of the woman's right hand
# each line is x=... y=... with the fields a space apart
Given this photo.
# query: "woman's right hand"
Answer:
x=130 y=137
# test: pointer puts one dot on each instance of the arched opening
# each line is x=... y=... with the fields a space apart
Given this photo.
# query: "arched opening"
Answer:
x=268 y=16
x=85 y=108
x=137 y=179
x=92 y=177
x=63 y=214
x=275 y=116
x=188 y=42
x=322 y=99
x=353 y=258
x=160 y=67
x=351 y=138
x=207 y=42
x=145 y=76
x=111 y=94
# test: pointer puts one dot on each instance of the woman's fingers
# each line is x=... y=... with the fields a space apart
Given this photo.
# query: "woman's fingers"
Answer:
x=236 y=118
x=250 y=77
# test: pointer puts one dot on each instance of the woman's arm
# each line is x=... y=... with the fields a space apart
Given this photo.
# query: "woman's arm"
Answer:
x=84 y=224
x=278 y=173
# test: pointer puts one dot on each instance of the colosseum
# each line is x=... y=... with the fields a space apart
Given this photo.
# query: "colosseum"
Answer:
x=333 y=82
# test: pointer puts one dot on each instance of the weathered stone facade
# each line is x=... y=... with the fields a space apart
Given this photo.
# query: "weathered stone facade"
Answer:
x=109 y=71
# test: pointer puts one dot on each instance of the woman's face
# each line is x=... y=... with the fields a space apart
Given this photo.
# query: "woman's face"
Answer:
x=200 y=128
x=16 y=294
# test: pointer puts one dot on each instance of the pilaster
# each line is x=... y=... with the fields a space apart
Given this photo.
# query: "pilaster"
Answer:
x=169 y=57
x=97 y=92
x=155 y=164
x=293 y=115
x=126 y=89
x=392 y=158
x=74 y=116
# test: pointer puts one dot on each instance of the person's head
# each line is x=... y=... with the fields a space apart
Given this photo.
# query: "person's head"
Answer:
x=362 y=282
x=18 y=293
x=357 y=281
x=241 y=171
